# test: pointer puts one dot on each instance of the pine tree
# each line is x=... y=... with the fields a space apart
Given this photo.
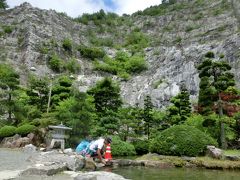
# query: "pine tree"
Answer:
x=181 y=108
x=3 y=4
x=147 y=114
x=215 y=78
x=9 y=83
x=106 y=96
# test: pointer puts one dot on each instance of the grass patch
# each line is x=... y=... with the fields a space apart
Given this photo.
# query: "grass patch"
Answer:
x=233 y=152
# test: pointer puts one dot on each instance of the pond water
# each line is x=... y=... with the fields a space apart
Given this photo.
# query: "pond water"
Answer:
x=17 y=160
x=143 y=173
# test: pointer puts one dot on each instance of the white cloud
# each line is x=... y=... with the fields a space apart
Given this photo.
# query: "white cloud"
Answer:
x=77 y=7
x=131 y=6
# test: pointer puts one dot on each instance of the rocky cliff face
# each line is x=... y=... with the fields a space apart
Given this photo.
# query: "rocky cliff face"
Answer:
x=179 y=39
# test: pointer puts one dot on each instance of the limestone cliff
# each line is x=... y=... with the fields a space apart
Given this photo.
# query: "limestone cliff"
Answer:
x=180 y=36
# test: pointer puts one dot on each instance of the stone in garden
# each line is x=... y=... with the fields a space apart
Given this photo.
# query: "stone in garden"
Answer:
x=214 y=152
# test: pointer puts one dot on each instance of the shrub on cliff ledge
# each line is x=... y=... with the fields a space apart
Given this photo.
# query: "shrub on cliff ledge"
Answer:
x=181 y=140
x=7 y=131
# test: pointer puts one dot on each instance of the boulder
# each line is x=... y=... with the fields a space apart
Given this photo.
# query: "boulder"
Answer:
x=214 y=152
x=99 y=175
x=232 y=158
x=72 y=162
x=44 y=169
x=8 y=142
x=29 y=148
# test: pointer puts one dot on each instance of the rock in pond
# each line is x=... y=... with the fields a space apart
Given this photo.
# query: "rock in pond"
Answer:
x=99 y=175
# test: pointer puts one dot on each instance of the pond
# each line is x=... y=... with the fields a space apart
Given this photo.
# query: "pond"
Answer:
x=17 y=160
x=143 y=173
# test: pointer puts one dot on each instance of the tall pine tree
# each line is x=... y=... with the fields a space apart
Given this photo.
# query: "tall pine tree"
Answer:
x=215 y=78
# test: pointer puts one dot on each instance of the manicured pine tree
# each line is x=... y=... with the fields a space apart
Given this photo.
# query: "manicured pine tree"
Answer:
x=181 y=108
x=215 y=78
x=9 y=83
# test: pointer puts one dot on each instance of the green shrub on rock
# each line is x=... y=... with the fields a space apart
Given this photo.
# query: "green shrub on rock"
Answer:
x=181 y=140
x=7 y=131
x=25 y=129
x=121 y=148
x=141 y=146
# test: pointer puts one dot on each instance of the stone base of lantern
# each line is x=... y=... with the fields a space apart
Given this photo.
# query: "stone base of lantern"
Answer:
x=57 y=140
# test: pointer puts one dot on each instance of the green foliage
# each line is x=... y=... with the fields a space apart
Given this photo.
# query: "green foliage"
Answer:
x=123 y=65
x=9 y=83
x=7 y=131
x=121 y=148
x=91 y=52
x=181 y=108
x=77 y=112
x=211 y=125
x=25 y=129
x=215 y=78
x=147 y=114
x=106 y=96
x=38 y=94
x=7 y=29
x=61 y=90
x=209 y=54
x=181 y=140
x=72 y=65
x=98 y=18
x=55 y=63
x=67 y=45
x=141 y=146
x=136 y=41
x=130 y=122
x=3 y=4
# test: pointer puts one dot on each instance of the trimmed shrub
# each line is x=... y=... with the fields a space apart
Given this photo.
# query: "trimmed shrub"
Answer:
x=7 y=131
x=25 y=129
x=121 y=148
x=141 y=146
x=181 y=140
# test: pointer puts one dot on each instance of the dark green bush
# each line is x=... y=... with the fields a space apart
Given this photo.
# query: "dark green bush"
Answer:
x=7 y=131
x=136 y=64
x=209 y=54
x=8 y=29
x=121 y=148
x=25 y=129
x=181 y=140
x=67 y=44
x=55 y=63
x=141 y=146
x=72 y=66
x=91 y=52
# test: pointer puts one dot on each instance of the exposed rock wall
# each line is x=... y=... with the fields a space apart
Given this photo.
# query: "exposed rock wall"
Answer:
x=179 y=40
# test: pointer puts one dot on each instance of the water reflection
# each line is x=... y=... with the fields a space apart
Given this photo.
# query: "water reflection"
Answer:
x=142 y=173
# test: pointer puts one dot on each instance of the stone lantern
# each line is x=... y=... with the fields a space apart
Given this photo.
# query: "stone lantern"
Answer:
x=58 y=135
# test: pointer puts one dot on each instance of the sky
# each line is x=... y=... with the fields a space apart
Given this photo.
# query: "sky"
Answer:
x=74 y=8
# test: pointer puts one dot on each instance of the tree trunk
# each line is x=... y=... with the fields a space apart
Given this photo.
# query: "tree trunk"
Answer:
x=222 y=130
x=9 y=107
